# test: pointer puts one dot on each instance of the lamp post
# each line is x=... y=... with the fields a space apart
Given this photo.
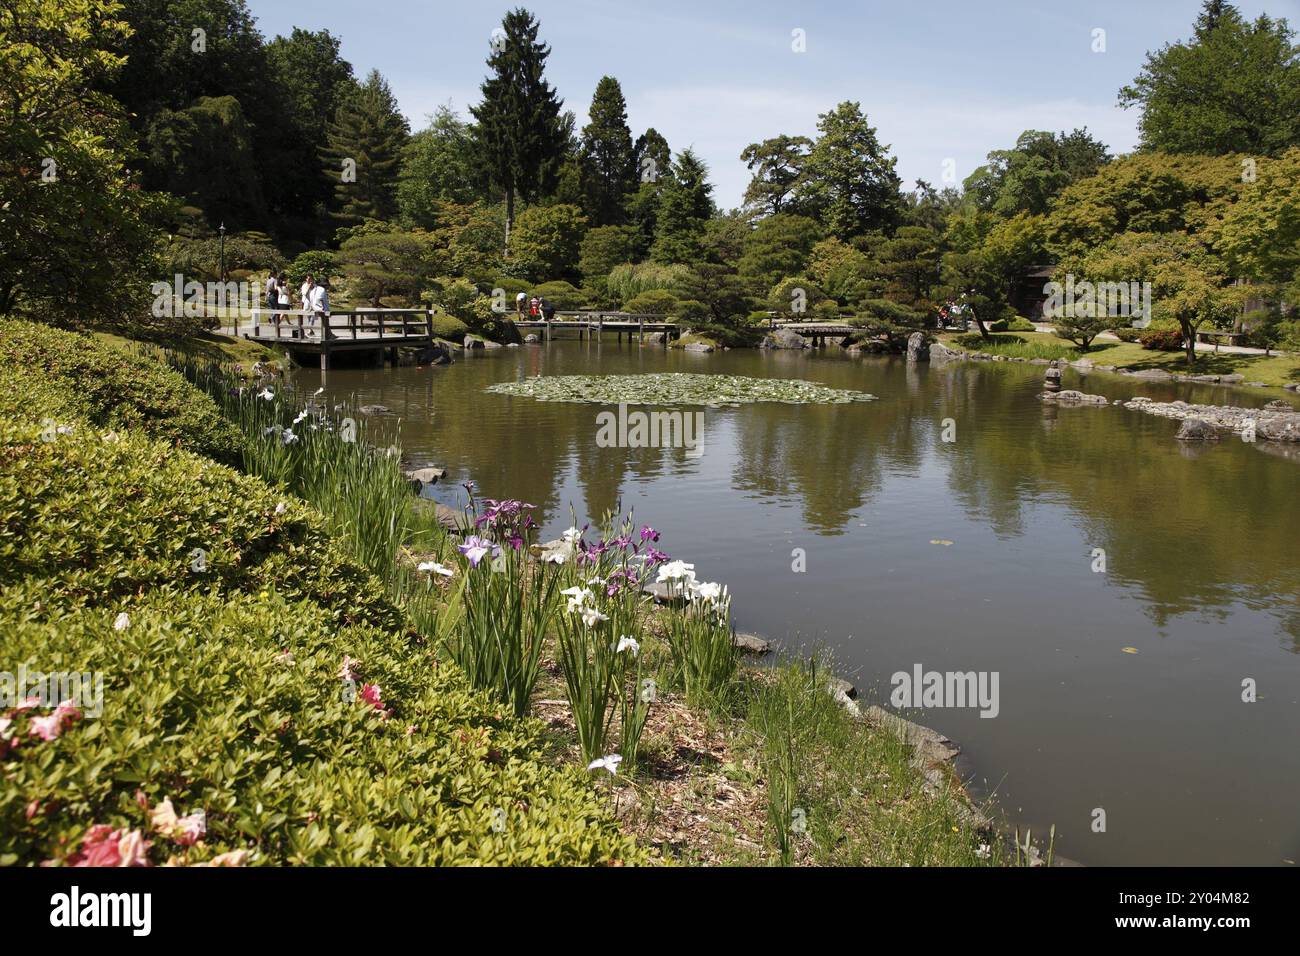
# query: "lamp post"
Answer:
x=221 y=229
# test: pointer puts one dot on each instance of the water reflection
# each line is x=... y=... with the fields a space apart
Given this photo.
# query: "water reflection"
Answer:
x=1202 y=572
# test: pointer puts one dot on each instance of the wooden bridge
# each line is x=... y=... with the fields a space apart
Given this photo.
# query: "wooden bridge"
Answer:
x=378 y=331
x=819 y=332
x=590 y=323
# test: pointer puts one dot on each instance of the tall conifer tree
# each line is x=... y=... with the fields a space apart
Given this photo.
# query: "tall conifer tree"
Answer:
x=519 y=134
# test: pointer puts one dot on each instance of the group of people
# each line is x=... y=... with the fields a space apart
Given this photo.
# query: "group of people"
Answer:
x=313 y=297
x=534 y=307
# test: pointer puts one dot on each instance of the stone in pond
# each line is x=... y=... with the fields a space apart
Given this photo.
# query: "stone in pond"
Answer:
x=374 y=409
x=751 y=643
x=916 y=349
x=783 y=339
x=1193 y=429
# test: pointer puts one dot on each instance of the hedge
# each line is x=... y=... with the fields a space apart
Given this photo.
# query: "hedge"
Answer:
x=223 y=682
x=106 y=385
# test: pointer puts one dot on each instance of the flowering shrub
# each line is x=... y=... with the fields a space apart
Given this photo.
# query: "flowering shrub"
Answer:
x=229 y=733
x=1161 y=340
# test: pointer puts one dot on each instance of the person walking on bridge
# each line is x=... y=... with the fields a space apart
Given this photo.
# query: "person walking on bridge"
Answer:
x=320 y=305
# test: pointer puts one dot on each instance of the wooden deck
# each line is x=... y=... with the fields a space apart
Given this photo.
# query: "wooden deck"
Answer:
x=381 y=331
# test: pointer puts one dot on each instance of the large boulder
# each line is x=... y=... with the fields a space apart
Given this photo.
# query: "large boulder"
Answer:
x=783 y=339
x=473 y=343
x=916 y=350
x=419 y=477
x=1193 y=429
x=941 y=353
x=698 y=347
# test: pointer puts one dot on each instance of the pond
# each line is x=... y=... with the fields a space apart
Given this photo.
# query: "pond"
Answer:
x=857 y=527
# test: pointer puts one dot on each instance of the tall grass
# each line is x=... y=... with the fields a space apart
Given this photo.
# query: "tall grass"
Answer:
x=324 y=458
x=843 y=792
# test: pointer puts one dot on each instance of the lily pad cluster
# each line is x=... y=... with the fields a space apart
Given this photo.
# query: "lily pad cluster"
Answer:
x=677 y=388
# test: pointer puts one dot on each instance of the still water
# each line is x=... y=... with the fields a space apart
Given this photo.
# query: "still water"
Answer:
x=1202 y=568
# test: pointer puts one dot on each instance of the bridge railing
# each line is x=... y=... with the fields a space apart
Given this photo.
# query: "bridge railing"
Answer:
x=355 y=324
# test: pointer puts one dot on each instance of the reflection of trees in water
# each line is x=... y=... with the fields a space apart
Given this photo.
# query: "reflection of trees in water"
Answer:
x=828 y=456
x=1192 y=530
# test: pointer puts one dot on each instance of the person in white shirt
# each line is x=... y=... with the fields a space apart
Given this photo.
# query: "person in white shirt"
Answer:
x=520 y=301
x=320 y=304
x=305 y=295
x=281 y=296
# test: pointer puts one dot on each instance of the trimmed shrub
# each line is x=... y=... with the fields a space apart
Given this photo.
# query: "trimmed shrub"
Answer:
x=237 y=709
x=1021 y=324
x=999 y=325
x=108 y=386
x=563 y=295
x=654 y=301
x=1126 y=333
x=448 y=327
x=225 y=690
x=1161 y=340
x=89 y=519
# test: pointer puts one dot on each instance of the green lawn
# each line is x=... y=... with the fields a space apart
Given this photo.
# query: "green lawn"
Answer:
x=1270 y=369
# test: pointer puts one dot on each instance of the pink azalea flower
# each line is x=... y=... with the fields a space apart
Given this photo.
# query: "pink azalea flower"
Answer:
x=191 y=828
x=370 y=693
x=132 y=848
x=351 y=669
x=47 y=728
x=104 y=846
x=186 y=830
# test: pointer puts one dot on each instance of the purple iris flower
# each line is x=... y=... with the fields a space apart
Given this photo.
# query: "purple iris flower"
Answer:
x=648 y=534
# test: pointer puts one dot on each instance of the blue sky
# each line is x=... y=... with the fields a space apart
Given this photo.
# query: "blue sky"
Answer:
x=946 y=79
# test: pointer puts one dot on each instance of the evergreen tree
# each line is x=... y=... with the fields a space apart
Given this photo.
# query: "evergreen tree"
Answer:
x=652 y=163
x=520 y=139
x=849 y=177
x=312 y=78
x=608 y=173
x=365 y=152
x=777 y=165
x=651 y=157
x=686 y=205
